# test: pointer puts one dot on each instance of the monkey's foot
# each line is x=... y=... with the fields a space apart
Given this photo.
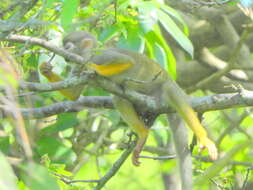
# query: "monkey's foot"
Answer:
x=135 y=157
x=137 y=151
x=211 y=147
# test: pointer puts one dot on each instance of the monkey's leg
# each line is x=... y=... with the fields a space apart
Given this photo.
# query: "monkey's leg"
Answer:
x=70 y=93
x=130 y=116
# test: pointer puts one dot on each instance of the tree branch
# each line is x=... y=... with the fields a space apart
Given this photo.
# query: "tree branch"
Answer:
x=208 y=103
x=180 y=138
x=46 y=87
x=45 y=44
x=66 y=106
x=222 y=72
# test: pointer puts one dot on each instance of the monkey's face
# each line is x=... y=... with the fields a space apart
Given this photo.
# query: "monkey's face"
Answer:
x=82 y=48
x=79 y=42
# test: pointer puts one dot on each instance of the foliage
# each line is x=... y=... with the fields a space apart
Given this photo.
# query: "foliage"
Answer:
x=65 y=148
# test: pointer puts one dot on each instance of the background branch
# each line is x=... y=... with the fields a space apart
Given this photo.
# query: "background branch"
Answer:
x=45 y=44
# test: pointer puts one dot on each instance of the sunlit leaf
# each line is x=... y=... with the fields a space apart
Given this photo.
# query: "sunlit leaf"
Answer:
x=147 y=15
x=32 y=62
x=68 y=12
x=5 y=144
x=8 y=180
x=38 y=178
x=55 y=149
x=50 y=3
x=123 y=4
x=156 y=37
x=175 y=32
x=149 y=45
x=134 y=41
x=160 y=55
x=108 y=33
x=64 y=121
x=177 y=16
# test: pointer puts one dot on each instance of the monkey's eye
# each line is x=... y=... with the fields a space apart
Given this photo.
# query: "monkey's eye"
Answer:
x=69 y=46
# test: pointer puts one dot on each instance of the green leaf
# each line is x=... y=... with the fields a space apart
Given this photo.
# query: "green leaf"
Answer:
x=32 y=62
x=147 y=15
x=8 y=180
x=5 y=144
x=68 y=12
x=149 y=46
x=50 y=3
x=64 y=121
x=108 y=33
x=38 y=178
x=113 y=116
x=232 y=3
x=156 y=37
x=175 y=32
x=56 y=150
x=134 y=41
x=160 y=55
x=177 y=16
x=171 y=60
x=123 y=4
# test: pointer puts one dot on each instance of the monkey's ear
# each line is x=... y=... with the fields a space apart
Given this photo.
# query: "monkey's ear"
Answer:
x=87 y=43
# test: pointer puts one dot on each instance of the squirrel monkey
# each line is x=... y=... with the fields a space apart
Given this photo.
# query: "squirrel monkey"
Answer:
x=81 y=44
x=137 y=72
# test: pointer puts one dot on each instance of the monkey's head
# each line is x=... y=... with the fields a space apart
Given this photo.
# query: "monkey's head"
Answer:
x=79 y=42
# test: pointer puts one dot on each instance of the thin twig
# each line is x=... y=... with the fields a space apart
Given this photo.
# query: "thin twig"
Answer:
x=217 y=184
x=69 y=181
x=246 y=178
x=116 y=166
x=100 y=183
x=159 y=157
x=95 y=148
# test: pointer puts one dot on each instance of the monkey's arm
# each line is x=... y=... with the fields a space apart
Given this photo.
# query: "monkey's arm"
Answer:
x=130 y=116
x=70 y=93
x=177 y=98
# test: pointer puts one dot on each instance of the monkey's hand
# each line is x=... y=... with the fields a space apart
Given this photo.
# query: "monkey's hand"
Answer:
x=205 y=142
x=45 y=68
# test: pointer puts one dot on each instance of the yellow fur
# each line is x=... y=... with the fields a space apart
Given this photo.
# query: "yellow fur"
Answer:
x=110 y=69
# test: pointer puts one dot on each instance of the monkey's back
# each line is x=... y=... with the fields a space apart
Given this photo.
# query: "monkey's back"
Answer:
x=145 y=75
